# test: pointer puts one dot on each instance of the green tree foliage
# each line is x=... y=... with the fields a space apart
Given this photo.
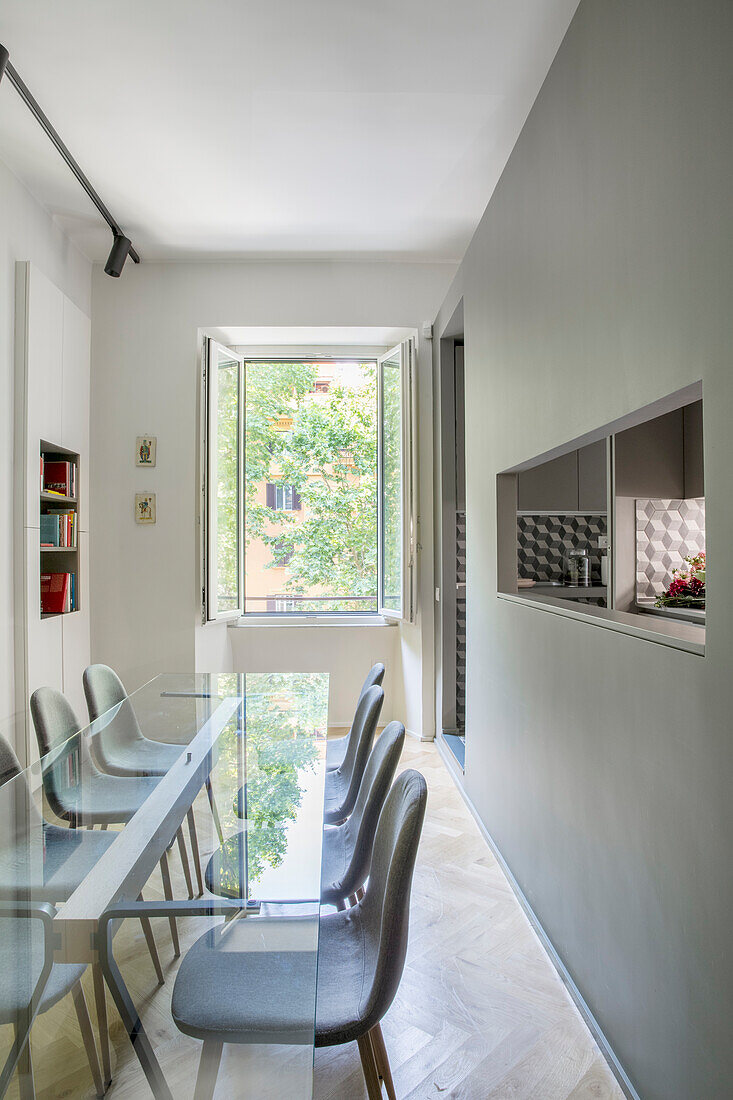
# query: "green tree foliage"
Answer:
x=329 y=456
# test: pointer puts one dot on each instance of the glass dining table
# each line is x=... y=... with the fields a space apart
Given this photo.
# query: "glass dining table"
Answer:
x=192 y=808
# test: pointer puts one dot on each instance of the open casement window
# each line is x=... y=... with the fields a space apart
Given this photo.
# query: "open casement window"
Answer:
x=223 y=595
x=397 y=522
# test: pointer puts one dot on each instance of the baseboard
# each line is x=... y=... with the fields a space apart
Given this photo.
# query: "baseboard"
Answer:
x=418 y=736
x=592 y=1024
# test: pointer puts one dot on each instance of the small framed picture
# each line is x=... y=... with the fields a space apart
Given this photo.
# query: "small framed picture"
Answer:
x=145 y=450
x=144 y=507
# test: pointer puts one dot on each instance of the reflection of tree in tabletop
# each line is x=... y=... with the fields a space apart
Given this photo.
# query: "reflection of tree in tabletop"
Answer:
x=281 y=713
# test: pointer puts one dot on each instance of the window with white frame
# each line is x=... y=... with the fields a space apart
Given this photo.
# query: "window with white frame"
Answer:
x=308 y=485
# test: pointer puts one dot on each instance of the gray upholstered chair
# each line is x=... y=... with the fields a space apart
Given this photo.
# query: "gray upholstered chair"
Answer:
x=342 y=785
x=30 y=983
x=93 y=799
x=224 y=996
x=47 y=863
x=122 y=749
x=347 y=848
x=337 y=746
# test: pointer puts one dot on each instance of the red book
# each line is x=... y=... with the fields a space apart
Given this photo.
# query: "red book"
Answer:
x=57 y=478
x=54 y=592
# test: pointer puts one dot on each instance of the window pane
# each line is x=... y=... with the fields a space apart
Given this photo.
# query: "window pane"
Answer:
x=227 y=491
x=311 y=487
x=392 y=534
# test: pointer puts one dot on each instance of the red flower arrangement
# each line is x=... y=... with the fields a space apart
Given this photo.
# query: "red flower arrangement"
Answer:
x=687 y=588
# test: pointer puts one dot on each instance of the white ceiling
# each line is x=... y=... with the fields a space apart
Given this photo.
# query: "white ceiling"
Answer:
x=275 y=128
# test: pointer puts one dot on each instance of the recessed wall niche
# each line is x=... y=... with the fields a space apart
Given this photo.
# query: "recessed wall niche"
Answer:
x=628 y=500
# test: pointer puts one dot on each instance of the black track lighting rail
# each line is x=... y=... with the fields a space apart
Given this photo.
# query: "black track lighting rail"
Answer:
x=40 y=115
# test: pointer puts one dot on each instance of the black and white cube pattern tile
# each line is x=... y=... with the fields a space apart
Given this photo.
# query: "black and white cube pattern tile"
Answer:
x=461 y=622
x=542 y=541
x=667 y=532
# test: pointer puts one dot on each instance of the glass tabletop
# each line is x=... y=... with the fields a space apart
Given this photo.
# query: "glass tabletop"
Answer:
x=202 y=794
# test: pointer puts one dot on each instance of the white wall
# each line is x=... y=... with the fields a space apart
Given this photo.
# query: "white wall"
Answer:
x=599 y=281
x=27 y=232
x=144 y=379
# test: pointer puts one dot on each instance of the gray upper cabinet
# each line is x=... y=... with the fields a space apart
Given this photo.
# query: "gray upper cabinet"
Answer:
x=551 y=486
x=592 y=491
x=575 y=482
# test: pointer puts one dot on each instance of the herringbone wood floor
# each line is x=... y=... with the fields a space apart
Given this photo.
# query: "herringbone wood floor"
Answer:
x=480 y=1012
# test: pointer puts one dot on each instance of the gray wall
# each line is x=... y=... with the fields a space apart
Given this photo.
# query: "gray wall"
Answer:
x=601 y=764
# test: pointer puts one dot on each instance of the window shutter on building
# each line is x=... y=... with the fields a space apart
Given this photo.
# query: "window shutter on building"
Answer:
x=270 y=495
x=296 y=501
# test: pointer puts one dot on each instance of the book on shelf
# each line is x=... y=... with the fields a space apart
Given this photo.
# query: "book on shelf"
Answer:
x=59 y=478
x=58 y=593
x=58 y=528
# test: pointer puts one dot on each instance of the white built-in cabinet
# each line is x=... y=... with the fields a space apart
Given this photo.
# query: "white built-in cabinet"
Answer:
x=52 y=407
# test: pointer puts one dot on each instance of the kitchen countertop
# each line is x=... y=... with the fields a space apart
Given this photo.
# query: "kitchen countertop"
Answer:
x=565 y=592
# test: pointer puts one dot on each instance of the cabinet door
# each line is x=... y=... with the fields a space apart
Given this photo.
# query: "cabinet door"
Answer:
x=592 y=496
x=551 y=486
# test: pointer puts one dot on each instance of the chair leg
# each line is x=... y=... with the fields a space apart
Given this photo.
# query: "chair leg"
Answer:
x=184 y=861
x=369 y=1067
x=191 y=818
x=168 y=893
x=85 y=1026
x=214 y=811
x=152 y=946
x=382 y=1060
x=100 y=998
x=208 y=1070
x=26 y=1086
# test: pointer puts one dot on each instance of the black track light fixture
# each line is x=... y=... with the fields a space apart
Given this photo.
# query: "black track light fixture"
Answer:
x=121 y=246
x=118 y=254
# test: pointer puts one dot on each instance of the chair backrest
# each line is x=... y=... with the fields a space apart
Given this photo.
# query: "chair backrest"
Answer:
x=385 y=908
x=19 y=815
x=103 y=690
x=374 y=678
x=57 y=728
x=360 y=743
x=360 y=828
x=9 y=763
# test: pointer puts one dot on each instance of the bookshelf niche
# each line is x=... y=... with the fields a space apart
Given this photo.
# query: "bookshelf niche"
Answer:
x=59 y=530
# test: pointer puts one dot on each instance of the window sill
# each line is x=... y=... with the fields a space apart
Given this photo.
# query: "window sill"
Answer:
x=284 y=620
x=674 y=634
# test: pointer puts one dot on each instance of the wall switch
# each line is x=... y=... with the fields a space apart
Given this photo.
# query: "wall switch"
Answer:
x=437 y=595
x=603 y=542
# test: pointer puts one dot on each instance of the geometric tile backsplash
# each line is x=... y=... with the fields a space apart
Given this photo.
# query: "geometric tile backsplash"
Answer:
x=667 y=531
x=542 y=541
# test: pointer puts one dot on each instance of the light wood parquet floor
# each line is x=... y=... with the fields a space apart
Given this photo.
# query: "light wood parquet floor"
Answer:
x=480 y=1013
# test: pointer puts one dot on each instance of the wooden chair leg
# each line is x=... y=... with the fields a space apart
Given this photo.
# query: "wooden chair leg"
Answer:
x=214 y=811
x=208 y=1070
x=26 y=1086
x=369 y=1067
x=100 y=998
x=152 y=946
x=191 y=818
x=184 y=861
x=85 y=1026
x=168 y=893
x=382 y=1060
